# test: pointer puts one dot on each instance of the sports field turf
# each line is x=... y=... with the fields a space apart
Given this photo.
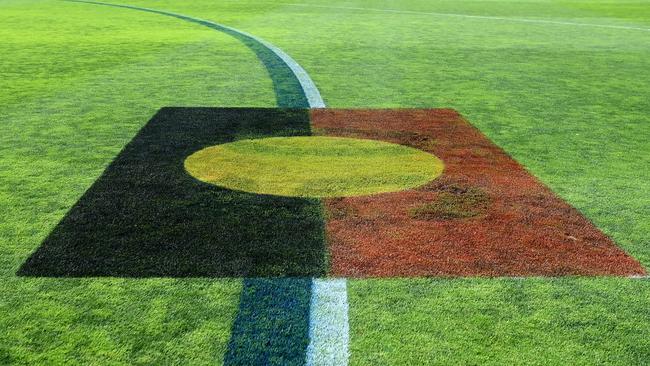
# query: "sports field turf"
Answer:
x=560 y=86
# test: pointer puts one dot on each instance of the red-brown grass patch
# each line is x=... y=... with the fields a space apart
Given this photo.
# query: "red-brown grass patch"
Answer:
x=486 y=215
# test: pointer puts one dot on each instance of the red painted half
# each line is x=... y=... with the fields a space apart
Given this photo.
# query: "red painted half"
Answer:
x=485 y=216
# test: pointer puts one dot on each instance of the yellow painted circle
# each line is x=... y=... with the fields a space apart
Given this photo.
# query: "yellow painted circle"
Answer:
x=313 y=166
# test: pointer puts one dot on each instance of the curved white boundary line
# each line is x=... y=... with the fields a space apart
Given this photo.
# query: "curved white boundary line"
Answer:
x=520 y=20
x=309 y=89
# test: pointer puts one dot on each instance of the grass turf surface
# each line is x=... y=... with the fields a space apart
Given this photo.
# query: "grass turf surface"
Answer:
x=570 y=103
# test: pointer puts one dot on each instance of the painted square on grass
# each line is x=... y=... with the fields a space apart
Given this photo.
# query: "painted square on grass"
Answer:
x=485 y=215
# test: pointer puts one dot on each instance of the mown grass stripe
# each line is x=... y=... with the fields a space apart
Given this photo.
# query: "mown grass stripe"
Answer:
x=328 y=323
x=469 y=16
x=300 y=92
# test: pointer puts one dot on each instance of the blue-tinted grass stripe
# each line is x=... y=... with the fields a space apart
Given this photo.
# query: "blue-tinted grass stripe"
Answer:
x=328 y=323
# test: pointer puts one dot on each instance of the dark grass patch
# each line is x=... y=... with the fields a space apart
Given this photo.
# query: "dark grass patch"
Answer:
x=272 y=325
x=145 y=216
x=416 y=139
x=338 y=211
x=454 y=202
x=485 y=216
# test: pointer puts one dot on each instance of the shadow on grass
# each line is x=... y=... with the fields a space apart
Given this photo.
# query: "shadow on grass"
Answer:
x=272 y=325
x=146 y=217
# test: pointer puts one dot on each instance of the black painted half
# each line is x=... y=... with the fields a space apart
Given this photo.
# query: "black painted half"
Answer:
x=146 y=217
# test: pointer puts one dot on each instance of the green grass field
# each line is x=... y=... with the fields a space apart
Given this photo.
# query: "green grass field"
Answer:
x=571 y=102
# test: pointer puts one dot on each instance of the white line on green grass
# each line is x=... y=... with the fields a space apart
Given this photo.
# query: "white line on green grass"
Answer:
x=328 y=323
x=519 y=20
x=306 y=83
x=640 y=277
x=328 y=314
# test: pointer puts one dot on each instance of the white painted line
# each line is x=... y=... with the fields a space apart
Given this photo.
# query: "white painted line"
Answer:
x=519 y=20
x=329 y=329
